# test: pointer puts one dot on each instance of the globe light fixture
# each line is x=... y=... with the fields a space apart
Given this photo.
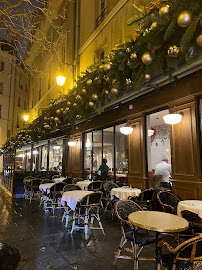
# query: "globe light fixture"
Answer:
x=56 y=147
x=126 y=130
x=26 y=117
x=60 y=80
x=173 y=118
x=71 y=143
x=35 y=152
x=88 y=144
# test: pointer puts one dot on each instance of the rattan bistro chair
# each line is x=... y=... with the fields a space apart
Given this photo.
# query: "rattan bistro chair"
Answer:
x=87 y=210
x=186 y=256
x=108 y=186
x=137 y=238
x=168 y=202
x=95 y=186
x=75 y=180
x=144 y=199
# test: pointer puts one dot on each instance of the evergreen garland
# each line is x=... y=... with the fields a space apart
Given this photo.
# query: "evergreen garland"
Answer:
x=121 y=70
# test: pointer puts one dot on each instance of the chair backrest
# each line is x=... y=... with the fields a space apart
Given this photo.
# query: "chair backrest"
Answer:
x=36 y=182
x=108 y=186
x=124 y=208
x=44 y=181
x=59 y=186
x=95 y=186
x=75 y=180
x=167 y=201
x=71 y=187
x=145 y=196
x=90 y=200
x=190 y=250
x=68 y=180
x=198 y=266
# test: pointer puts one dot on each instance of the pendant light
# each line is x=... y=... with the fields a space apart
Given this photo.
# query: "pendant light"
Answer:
x=173 y=118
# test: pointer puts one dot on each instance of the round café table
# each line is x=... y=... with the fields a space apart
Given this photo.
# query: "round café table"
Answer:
x=84 y=184
x=158 y=222
x=123 y=193
x=194 y=206
x=46 y=187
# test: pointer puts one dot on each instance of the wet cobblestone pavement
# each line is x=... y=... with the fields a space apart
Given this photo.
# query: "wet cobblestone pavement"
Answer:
x=44 y=243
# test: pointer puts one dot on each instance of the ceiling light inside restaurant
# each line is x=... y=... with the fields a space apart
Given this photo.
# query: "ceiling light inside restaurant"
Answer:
x=21 y=155
x=56 y=147
x=150 y=132
x=71 y=143
x=35 y=152
x=126 y=130
x=173 y=118
x=88 y=144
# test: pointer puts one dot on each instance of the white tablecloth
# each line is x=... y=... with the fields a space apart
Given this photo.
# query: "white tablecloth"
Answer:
x=83 y=184
x=72 y=197
x=124 y=193
x=194 y=206
x=44 y=187
x=59 y=179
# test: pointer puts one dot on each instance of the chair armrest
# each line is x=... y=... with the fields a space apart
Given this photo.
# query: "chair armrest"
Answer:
x=164 y=243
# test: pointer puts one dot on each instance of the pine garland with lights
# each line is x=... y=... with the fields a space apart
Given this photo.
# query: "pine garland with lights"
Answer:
x=169 y=36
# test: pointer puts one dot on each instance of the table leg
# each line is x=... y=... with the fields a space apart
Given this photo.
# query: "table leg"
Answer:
x=158 y=252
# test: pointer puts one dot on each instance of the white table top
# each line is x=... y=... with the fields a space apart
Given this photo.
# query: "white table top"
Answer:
x=46 y=187
x=59 y=179
x=123 y=193
x=194 y=206
x=74 y=196
x=83 y=184
x=158 y=221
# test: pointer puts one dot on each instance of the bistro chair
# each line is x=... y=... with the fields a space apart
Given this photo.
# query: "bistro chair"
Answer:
x=75 y=180
x=95 y=186
x=144 y=199
x=46 y=181
x=68 y=180
x=168 y=202
x=66 y=188
x=186 y=256
x=137 y=238
x=88 y=210
x=53 y=198
x=33 y=188
x=108 y=186
x=56 y=176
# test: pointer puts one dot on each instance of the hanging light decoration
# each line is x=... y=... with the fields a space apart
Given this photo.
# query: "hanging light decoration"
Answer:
x=173 y=118
x=56 y=147
x=88 y=144
x=126 y=130
x=71 y=143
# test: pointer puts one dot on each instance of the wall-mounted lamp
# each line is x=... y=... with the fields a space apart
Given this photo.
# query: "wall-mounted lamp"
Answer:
x=71 y=143
x=60 y=80
x=26 y=117
x=173 y=118
x=127 y=129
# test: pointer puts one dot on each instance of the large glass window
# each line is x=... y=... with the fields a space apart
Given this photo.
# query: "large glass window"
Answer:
x=88 y=155
x=20 y=161
x=158 y=139
x=55 y=155
x=97 y=150
x=44 y=157
x=108 y=149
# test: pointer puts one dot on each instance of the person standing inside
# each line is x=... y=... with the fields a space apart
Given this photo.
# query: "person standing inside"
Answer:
x=164 y=169
x=104 y=169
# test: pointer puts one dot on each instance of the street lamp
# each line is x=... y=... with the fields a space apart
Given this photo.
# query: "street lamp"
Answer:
x=60 y=80
x=26 y=117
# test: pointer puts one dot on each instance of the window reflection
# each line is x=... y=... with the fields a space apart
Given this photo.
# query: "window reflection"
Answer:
x=108 y=150
x=55 y=155
x=97 y=150
x=88 y=155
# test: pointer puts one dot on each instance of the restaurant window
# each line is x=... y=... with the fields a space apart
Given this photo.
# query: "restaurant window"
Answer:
x=158 y=139
x=88 y=155
x=44 y=158
x=25 y=105
x=108 y=149
x=19 y=102
x=97 y=150
x=55 y=156
x=18 y=124
x=101 y=11
x=20 y=161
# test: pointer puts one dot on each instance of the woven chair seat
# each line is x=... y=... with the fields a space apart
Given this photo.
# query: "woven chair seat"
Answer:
x=143 y=238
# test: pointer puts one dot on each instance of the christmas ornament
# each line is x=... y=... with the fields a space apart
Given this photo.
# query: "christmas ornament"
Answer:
x=45 y=118
x=68 y=103
x=89 y=82
x=128 y=50
x=128 y=63
x=199 y=40
x=173 y=51
x=128 y=82
x=115 y=83
x=91 y=104
x=106 y=92
x=147 y=77
x=164 y=10
x=95 y=97
x=184 y=18
x=78 y=97
x=78 y=116
x=145 y=32
x=107 y=67
x=83 y=91
x=114 y=91
x=133 y=56
x=146 y=58
x=58 y=111
x=56 y=119
x=153 y=25
x=52 y=117
x=62 y=109
x=75 y=104
x=97 y=80
x=101 y=68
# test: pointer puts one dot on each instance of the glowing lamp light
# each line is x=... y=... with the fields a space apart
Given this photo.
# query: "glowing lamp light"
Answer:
x=150 y=132
x=60 y=80
x=88 y=144
x=35 y=152
x=21 y=155
x=56 y=147
x=26 y=117
x=71 y=143
x=173 y=118
x=126 y=130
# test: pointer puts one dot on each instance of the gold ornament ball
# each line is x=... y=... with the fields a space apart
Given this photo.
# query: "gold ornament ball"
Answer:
x=114 y=91
x=153 y=25
x=91 y=104
x=106 y=92
x=68 y=103
x=83 y=91
x=173 y=51
x=133 y=56
x=146 y=58
x=147 y=77
x=95 y=97
x=58 y=111
x=184 y=18
x=101 y=67
x=164 y=10
x=62 y=109
x=78 y=116
x=78 y=97
x=89 y=82
x=52 y=117
x=107 y=67
x=75 y=104
x=56 y=119
x=199 y=40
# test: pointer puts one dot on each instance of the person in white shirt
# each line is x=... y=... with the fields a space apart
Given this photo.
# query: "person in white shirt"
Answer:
x=164 y=169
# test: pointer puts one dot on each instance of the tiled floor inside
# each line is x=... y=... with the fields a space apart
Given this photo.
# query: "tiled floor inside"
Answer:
x=44 y=242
